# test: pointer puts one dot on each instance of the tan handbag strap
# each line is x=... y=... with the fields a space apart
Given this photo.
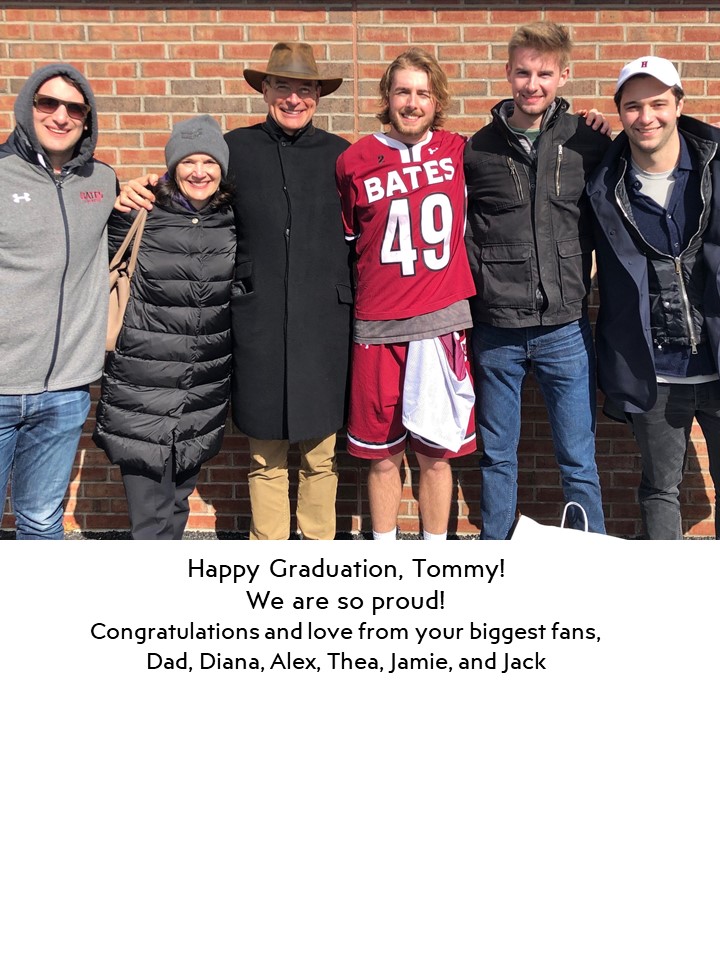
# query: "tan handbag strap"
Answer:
x=133 y=234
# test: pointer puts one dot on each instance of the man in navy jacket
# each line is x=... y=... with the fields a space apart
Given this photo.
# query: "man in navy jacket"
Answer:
x=656 y=199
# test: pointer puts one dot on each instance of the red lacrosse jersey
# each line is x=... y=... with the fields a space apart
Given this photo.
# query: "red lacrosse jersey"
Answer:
x=405 y=207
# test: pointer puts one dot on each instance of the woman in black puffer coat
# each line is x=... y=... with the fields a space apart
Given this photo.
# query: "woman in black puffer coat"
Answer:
x=166 y=387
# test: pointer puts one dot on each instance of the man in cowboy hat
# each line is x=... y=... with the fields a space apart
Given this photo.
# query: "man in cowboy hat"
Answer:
x=292 y=326
x=292 y=312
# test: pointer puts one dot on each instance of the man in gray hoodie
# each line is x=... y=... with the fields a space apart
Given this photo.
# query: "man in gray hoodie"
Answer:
x=55 y=200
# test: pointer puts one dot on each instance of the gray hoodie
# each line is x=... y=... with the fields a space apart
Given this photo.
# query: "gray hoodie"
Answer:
x=53 y=253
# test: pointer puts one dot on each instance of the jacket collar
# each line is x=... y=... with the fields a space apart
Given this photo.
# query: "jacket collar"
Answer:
x=276 y=132
x=503 y=111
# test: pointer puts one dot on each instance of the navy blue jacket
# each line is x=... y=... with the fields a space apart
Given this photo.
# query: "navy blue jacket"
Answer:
x=626 y=368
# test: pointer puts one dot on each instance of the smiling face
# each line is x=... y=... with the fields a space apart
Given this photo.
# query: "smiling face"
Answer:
x=57 y=132
x=411 y=105
x=291 y=103
x=534 y=80
x=649 y=113
x=198 y=178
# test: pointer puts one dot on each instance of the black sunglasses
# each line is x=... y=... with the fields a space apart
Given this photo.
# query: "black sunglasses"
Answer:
x=76 y=111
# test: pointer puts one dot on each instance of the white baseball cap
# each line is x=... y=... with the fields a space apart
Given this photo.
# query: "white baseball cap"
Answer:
x=662 y=70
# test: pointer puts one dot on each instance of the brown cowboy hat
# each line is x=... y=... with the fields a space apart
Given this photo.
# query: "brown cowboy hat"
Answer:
x=294 y=61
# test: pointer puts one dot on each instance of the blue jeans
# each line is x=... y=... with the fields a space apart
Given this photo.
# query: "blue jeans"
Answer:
x=39 y=436
x=662 y=434
x=563 y=361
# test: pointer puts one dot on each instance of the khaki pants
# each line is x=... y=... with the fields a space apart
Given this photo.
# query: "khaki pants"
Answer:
x=269 y=485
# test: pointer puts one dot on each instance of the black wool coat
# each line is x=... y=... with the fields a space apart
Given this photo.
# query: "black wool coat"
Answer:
x=292 y=326
x=166 y=387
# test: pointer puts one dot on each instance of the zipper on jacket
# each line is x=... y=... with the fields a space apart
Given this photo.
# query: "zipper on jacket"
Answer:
x=558 y=164
x=61 y=299
x=686 y=305
x=677 y=261
x=516 y=177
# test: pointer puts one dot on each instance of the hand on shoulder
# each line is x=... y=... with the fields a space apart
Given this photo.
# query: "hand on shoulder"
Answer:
x=135 y=194
x=596 y=121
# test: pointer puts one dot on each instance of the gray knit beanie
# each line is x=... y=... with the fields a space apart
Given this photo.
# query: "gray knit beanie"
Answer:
x=199 y=134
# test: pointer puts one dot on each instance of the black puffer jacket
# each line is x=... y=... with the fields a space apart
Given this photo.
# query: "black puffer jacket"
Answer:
x=166 y=387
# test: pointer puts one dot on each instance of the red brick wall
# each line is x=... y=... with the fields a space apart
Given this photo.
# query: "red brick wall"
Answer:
x=152 y=66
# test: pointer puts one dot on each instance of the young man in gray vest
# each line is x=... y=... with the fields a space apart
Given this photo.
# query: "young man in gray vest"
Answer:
x=656 y=199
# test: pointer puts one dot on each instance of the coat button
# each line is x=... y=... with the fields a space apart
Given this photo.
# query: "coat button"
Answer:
x=196 y=220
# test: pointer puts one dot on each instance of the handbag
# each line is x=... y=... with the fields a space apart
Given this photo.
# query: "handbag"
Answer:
x=122 y=266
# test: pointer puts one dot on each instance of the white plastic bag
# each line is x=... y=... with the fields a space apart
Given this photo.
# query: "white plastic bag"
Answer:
x=530 y=531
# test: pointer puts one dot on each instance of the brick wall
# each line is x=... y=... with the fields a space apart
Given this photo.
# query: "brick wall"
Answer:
x=152 y=66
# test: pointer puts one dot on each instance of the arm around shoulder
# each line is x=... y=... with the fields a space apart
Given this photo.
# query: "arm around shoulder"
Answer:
x=136 y=194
